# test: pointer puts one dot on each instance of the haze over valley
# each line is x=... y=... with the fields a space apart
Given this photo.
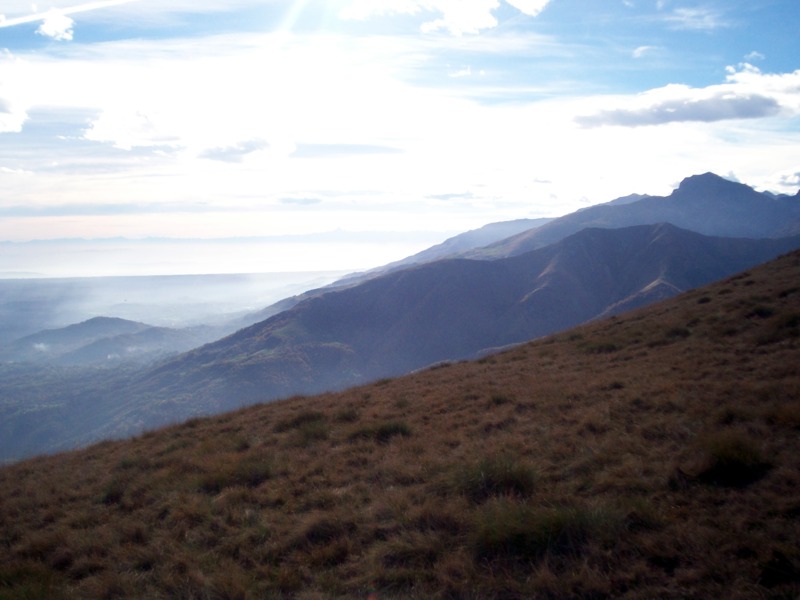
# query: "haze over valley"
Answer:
x=477 y=292
x=480 y=299
x=648 y=455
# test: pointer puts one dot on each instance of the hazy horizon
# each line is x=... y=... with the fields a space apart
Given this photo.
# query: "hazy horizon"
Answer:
x=121 y=257
x=30 y=305
x=380 y=120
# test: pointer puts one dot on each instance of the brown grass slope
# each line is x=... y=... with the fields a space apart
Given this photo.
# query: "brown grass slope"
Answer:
x=652 y=455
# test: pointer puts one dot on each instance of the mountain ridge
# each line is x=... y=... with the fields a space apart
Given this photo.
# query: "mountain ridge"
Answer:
x=396 y=322
x=706 y=204
x=650 y=455
x=454 y=309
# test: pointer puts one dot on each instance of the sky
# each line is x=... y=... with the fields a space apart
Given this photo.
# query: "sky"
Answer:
x=145 y=137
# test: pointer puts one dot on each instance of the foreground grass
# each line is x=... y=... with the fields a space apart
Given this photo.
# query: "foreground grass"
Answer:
x=650 y=455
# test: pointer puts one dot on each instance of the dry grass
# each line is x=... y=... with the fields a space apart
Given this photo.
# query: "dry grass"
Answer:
x=650 y=455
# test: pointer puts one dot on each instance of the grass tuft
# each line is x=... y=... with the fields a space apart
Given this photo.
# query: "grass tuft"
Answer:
x=495 y=476
x=229 y=471
x=508 y=529
x=305 y=418
x=601 y=348
x=382 y=433
x=732 y=459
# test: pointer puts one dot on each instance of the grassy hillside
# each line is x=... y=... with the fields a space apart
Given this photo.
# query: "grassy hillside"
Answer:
x=650 y=455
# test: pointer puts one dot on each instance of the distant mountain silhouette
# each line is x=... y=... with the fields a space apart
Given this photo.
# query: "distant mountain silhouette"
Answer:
x=143 y=346
x=470 y=240
x=51 y=343
x=454 y=246
x=706 y=204
x=102 y=341
x=449 y=310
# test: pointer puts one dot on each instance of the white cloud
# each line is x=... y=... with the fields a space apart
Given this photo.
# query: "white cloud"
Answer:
x=56 y=25
x=8 y=171
x=235 y=153
x=465 y=72
x=783 y=87
x=747 y=94
x=790 y=180
x=457 y=16
x=754 y=55
x=717 y=107
x=13 y=104
x=529 y=7
x=368 y=146
x=643 y=51
x=695 y=19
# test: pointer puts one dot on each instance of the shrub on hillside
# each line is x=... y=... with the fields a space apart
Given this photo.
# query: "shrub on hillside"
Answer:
x=728 y=458
x=310 y=432
x=732 y=459
x=495 y=476
x=347 y=415
x=507 y=528
x=305 y=418
x=382 y=433
x=229 y=471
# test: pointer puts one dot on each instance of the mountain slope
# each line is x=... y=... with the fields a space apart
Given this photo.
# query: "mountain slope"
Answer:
x=456 y=245
x=451 y=310
x=52 y=343
x=446 y=310
x=143 y=346
x=706 y=204
x=470 y=240
x=653 y=455
x=104 y=341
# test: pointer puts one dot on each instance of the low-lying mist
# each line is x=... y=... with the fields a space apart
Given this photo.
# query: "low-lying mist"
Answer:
x=31 y=305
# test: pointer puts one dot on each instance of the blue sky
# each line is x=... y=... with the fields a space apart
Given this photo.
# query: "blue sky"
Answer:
x=387 y=119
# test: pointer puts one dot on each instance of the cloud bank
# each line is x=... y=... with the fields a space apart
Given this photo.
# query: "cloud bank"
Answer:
x=747 y=94
x=716 y=108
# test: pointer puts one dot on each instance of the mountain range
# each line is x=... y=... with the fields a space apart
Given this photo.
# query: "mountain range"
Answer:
x=648 y=455
x=451 y=310
x=454 y=302
x=706 y=204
